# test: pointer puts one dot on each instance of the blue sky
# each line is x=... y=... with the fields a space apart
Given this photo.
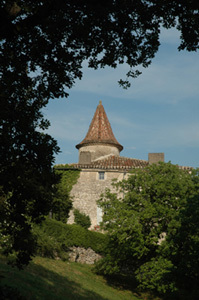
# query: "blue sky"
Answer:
x=158 y=113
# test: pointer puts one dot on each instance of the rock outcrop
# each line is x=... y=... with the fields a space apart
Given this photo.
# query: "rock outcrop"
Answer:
x=84 y=256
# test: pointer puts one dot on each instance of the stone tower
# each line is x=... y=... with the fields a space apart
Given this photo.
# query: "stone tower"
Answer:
x=100 y=163
x=100 y=141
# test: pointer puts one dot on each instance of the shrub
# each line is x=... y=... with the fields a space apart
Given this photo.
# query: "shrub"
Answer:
x=82 y=219
x=47 y=246
x=55 y=238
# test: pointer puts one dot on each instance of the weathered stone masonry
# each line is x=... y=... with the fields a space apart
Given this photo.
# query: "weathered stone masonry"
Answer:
x=88 y=190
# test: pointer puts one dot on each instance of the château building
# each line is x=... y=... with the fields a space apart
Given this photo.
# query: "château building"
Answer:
x=100 y=162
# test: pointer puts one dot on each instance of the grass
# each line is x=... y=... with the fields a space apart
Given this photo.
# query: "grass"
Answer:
x=54 y=279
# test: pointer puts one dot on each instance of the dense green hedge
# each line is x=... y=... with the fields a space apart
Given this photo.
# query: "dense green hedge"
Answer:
x=55 y=237
x=82 y=219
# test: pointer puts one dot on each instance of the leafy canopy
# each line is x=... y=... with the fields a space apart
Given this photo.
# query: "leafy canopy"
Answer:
x=62 y=201
x=42 y=47
x=142 y=220
x=52 y=38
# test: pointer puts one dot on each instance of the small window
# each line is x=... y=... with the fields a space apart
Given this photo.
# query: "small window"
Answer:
x=101 y=175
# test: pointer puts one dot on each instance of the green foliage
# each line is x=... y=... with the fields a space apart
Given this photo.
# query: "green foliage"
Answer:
x=61 y=33
x=26 y=174
x=47 y=246
x=62 y=202
x=57 y=237
x=156 y=275
x=145 y=223
x=183 y=246
x=82 y=219
x=69 y=175
x=43 y=45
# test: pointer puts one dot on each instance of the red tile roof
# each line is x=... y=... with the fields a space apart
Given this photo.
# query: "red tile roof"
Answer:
x=114 y=163
x=100 y=131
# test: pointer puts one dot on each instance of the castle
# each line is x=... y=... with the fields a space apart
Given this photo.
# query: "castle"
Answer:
x=100 y=162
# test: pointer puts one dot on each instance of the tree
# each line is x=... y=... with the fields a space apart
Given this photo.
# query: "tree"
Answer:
x=27 y=186
x=61 y=204
x=182 y=248
x=176 y=265
x=141 y=222
x=42 y=47
x=52 y=38
x=62 y=201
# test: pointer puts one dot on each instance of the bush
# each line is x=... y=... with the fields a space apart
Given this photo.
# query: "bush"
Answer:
x=47 y=246
x=82 y=219
x=55 y=238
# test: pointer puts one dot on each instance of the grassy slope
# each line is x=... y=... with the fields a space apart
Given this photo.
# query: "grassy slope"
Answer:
x=54 y=279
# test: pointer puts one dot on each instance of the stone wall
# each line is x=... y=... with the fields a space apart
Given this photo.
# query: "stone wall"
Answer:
x=98 y=151
x=88 y=189
x=84 y=256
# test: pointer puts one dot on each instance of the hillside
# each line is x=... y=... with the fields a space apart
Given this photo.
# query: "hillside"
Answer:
x=54 y=279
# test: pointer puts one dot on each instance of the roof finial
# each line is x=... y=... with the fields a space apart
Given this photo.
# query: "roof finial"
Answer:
x=100 y=102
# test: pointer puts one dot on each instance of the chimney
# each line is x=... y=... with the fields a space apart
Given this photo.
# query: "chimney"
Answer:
x=154 y=158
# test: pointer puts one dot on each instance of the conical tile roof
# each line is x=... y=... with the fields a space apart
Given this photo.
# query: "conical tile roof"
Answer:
x=100 y=131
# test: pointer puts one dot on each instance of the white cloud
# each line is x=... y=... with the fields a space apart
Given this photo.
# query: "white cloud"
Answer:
x=174 y=136
x=169 y=81
x=131 y=148
x=189 y=134
x=166 y=79
x=119 y=121
x=68 y=128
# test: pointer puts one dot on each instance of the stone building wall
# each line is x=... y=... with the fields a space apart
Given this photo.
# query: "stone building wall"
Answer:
x=98 y=151
x=88 y=189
